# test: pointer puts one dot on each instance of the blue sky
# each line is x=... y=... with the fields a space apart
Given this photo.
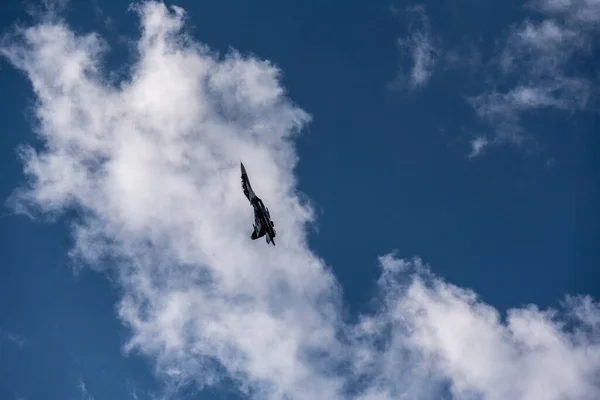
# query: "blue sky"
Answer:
x=430 y=168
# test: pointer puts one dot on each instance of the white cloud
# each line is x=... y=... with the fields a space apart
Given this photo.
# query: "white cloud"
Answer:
x=536 y=64
x=439 y=332
x=152 y=167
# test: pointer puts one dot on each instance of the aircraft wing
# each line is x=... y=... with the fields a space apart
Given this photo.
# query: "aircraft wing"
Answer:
x=257 y=234
x=245 y=181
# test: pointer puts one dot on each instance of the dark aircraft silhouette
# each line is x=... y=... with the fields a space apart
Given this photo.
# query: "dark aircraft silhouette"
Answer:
x=263 y=226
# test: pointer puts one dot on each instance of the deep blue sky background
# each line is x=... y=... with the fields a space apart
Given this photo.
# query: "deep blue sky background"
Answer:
x=384 y=169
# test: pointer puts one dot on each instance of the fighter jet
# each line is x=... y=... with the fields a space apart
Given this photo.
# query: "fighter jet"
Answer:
x=263 y=226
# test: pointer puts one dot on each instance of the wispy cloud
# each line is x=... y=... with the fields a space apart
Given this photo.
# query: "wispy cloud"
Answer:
x=420 y=49
x=12 y=338
x=45 y=8
x=152 y=167
x=423 y=53
x=477 y=146
x=585 y=13
x=537 y=64
x=466 y=56
x=85 y=394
